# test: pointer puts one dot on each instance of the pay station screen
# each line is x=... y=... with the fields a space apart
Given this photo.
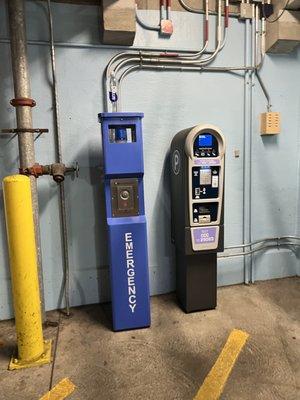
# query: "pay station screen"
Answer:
x=205 y=140
x=205 y=145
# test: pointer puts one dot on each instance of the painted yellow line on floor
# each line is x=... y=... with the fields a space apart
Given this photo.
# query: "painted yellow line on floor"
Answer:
x=62 y=390
x=215 y=381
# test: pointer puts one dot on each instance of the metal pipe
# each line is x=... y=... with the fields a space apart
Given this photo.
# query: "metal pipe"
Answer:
x=198 y=11
x=143 y=65
x=273 y=239
x=197 y=54
x=111 y=71
x=170 y=68
x=175 y=60
x=168 y=9
x=246 y=188
x=262 y=53
x=24 y=273
x=162 y=9
x=144 y=24
x=180 y=68
x=250 y=252
x=76 y=45
x=256 y=33
x=136 y=56
x=58 y=148
x=173 y=54
x=253 y=51
x=21 y=79
x=265 y=91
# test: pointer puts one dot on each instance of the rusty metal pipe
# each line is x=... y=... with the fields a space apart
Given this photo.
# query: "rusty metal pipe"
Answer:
x=21 y=79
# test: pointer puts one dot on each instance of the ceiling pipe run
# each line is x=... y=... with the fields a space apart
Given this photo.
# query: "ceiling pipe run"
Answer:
x=150 y=58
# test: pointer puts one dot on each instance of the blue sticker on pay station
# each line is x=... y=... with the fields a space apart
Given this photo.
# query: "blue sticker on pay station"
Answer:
x=205 y=238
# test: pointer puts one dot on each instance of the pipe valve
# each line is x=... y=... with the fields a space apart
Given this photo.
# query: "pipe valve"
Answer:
x=56 y=170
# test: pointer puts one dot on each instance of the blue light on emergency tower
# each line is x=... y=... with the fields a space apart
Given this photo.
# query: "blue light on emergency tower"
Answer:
x=125 y=213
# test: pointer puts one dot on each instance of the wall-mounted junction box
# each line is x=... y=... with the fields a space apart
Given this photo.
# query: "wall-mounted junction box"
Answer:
x=246 y=11
x=166 y=27
x=270 y=123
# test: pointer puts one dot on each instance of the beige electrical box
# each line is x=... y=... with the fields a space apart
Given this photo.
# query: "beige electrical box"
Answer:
x=270 y=123
x=246 y=10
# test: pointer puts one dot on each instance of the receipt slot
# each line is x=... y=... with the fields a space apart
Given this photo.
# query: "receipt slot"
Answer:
x=197 y=191
x=126 y=221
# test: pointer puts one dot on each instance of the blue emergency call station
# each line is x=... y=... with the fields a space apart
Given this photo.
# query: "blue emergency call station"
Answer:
x=125 y=213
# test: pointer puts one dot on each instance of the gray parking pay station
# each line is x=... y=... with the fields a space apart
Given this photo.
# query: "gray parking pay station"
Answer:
x=197 y=193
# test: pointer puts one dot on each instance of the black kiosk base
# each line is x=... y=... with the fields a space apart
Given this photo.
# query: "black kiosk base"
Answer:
x=196 y=281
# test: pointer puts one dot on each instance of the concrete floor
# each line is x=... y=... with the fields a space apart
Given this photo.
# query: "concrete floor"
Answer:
x=170 y=360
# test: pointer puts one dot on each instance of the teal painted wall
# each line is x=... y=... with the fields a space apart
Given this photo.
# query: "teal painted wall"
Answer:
x=171 y=101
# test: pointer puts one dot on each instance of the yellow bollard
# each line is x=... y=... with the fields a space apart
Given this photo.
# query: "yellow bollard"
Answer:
x=32 y=349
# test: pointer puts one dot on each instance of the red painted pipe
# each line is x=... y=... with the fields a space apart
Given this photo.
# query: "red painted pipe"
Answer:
x=168 y=55
x=226 y=16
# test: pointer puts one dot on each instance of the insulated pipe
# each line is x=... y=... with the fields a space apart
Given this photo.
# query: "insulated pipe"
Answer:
x=24 y=272
x=21 y=79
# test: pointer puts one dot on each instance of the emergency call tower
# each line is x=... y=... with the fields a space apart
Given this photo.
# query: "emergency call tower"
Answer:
x=126 y=221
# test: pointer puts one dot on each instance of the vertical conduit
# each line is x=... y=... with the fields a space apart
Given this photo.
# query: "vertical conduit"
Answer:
x=21 y=79
x=246 y=153
x=59 y=159
x=252 y=76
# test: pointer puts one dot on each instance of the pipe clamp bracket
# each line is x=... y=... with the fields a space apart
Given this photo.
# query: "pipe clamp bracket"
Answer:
x=23 y=102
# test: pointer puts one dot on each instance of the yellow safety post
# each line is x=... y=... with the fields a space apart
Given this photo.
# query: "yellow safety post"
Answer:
x=32 y=349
